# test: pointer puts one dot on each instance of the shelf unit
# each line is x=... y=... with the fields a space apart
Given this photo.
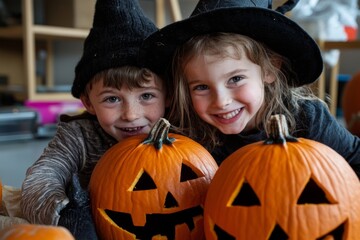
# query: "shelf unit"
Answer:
x=160 y=11
x=334 y=71
x=30 y=33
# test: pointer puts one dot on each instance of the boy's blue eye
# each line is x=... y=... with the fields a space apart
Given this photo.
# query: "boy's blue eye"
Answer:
x=147 y=96
x=112 y=99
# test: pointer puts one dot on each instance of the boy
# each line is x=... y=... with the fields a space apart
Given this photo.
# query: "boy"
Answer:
x=120 y=98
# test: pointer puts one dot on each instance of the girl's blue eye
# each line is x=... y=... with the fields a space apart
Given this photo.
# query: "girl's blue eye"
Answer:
x=235 y=79
x=201 y=87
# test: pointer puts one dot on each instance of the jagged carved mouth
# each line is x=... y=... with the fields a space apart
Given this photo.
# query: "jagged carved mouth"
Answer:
x=278 y=233
x=157 y=224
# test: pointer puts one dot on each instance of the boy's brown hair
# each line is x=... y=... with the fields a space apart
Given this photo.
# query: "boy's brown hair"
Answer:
x=129 y=76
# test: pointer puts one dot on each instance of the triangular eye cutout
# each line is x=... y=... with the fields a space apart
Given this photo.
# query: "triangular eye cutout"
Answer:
x=278 y=234
x=246 y=196
x=313 y=194
x=221 y=234
x=170 y=201
x=189 y=172
x=144 y=182
x=336 y=234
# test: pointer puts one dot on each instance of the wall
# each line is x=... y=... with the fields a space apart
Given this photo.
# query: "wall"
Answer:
x=67 y=54
x=186 y=6
x=348 y=58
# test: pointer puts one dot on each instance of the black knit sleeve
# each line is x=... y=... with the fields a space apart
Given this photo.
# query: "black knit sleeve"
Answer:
x=316 y=122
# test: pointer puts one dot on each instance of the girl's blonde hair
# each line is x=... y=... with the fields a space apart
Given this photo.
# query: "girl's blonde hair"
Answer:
x=279 y=97
x=129 y=76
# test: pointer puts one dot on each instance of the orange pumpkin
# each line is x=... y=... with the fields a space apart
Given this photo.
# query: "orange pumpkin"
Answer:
x=35 y=232
x=283 y=188
x=350 y=104
x=153 y=188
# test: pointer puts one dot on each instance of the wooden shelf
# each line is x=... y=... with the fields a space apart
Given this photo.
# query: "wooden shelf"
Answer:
x=30 y=35
x=52 y=97
x=33 y=32
x=13 y=32
x=327 y=45
x=59 y=32
x=44 y=32
x=334 y=71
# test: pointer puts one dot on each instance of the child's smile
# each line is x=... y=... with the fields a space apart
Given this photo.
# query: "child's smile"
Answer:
x=229 y=115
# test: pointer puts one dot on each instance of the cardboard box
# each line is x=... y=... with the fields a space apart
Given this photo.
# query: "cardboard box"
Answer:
x=69 y=13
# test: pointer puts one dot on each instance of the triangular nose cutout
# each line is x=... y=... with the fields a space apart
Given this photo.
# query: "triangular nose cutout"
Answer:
x=221 y=234
x=336 y=234
x=170 y=201
x=278 y=234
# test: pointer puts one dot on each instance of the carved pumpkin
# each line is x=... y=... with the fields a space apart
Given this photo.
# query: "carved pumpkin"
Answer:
x=351 y=104
x=35 y=232
x=283 y=188
x=152 y=188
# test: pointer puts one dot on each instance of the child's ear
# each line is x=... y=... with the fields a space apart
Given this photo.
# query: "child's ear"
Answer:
x=87 y=104
x=269 y=78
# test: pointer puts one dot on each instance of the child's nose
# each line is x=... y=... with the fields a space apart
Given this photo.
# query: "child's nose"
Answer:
x=131 y=111
x=222 y=100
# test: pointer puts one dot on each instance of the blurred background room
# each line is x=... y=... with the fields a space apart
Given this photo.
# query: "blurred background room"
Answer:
x=41 y=42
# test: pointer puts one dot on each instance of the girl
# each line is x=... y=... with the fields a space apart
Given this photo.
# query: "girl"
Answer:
x=235 y=66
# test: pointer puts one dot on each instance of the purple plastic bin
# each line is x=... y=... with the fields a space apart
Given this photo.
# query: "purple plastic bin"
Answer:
x=50 y=111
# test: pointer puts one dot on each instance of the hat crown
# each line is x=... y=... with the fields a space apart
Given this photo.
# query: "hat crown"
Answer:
x=119 y=27
x=209 y=5
x=117 y=12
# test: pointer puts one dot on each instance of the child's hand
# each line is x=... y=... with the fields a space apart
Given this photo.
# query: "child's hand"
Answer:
x=76 y=216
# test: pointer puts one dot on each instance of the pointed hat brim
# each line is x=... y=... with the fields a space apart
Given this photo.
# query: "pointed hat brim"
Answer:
x=275 y=30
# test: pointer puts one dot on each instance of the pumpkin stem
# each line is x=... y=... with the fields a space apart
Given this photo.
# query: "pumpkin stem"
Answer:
x=278 y=130
x=159 y=134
